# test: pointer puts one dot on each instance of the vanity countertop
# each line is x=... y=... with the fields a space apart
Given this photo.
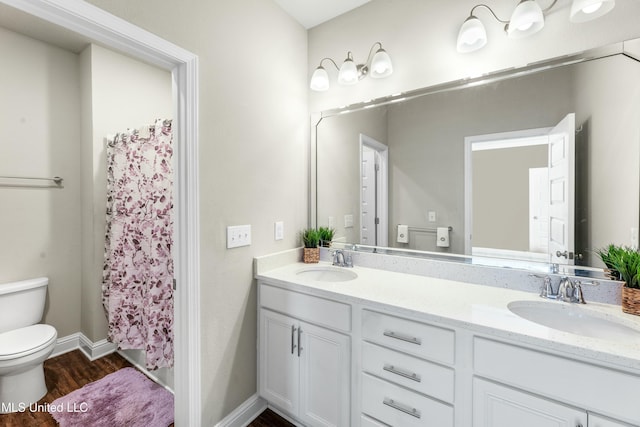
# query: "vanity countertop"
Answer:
x=481 y=309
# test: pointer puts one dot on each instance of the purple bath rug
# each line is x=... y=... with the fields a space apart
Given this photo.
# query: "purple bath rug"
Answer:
x=125 y=398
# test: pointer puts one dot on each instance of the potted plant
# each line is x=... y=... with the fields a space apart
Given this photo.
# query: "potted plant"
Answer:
x=310 y=240
x=326 y=236
x=624 y=264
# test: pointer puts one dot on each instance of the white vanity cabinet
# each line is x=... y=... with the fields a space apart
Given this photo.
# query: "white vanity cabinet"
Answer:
x=304 y=368
x=513 y=385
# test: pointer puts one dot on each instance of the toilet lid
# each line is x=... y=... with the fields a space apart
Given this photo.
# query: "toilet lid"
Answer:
x=25 y=340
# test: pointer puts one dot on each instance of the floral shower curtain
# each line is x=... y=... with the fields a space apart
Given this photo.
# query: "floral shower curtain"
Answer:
x=137 y=287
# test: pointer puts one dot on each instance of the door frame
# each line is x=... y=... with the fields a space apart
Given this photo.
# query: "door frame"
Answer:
x=382 y=190
x=122 y=36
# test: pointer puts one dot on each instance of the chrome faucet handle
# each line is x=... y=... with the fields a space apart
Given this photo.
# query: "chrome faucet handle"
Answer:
x=546 y=290
x=578 y=296
x=338 y=258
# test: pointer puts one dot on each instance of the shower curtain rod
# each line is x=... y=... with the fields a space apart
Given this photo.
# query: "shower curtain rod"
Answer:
x=56 y=179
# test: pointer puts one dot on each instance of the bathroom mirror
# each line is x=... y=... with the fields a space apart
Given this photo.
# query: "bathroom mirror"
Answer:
x=401 y=173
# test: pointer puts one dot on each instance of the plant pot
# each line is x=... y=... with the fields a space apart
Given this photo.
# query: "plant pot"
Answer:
x=631 y=300
x=311 y=255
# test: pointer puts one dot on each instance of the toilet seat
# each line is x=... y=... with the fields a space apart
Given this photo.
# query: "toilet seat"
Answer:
x=24 y=341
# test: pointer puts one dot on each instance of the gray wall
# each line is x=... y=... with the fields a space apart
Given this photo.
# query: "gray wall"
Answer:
x=40 y=137
x=501 y=195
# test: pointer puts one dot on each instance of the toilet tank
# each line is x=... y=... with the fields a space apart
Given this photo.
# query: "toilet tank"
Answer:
x=22 y=303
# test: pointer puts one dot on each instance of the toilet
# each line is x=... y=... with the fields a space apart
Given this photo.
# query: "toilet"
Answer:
x=24 y=344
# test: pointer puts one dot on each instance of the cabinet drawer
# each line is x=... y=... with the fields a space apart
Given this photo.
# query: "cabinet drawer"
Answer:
x=370 y=422
x=397 y=406
x=417 y=374
x=306 y=307
x=595 y=388
x=416 y=338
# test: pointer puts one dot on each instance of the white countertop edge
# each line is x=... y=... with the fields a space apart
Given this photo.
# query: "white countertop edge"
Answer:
x=623 y=356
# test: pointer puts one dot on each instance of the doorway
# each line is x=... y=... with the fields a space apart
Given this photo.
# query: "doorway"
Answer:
x=542 y=177
x=92 y=23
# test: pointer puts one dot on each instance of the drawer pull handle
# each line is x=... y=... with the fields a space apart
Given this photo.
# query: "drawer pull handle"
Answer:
x=299 y=341
x=412 y=340
x=394 y=370
x=402 y=408
x=293 y=331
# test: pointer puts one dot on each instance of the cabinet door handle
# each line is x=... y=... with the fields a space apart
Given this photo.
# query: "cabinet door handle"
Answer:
x=401 y=337
x=402 y=408
x=412 y=376
x=299 y=341
x=293 y=332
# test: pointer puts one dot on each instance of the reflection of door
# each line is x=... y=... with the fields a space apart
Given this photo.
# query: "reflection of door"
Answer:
x=368 y=211
x=539 y=210
x=561 y=190
x=373 y=192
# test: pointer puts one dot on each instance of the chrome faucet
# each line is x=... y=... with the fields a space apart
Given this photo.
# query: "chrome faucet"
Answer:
x=568 y=290
x=340 y=260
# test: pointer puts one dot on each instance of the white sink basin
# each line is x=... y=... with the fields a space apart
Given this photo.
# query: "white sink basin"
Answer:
x=574 y=319
x=327 y=274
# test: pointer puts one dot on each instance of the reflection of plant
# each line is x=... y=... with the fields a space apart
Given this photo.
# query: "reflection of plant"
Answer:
x=310 y=237
x=326 y=235
x=624 y=263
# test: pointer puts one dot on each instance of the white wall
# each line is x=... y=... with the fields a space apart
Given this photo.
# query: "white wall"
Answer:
x=254 y=132
x=421 y=37
x=40 y=137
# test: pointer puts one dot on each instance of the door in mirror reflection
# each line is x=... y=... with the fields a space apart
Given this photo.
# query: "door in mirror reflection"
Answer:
x=520 y=194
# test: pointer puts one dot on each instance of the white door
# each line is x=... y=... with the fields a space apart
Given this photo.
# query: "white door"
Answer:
x=500 y=406
x=374 y=192
x=561 y=191
x=368 y=186
x=325 y=360
x=539 y=210
x=279 y=366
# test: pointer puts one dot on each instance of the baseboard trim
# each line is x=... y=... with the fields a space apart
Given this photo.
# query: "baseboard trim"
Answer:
x=79 y=341
x=245 y=413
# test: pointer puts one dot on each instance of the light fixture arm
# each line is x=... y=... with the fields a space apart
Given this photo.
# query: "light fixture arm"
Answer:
x=332 y=61
x=368 y=63
x=490 y=10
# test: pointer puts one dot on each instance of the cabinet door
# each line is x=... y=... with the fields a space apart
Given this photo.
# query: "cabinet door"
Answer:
x=325 y=360
x=500 y=406
x=278 y=364
x=598 y=421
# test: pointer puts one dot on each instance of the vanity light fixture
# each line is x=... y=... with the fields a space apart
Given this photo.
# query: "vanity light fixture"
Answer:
x=526 y=19
x=377 y=66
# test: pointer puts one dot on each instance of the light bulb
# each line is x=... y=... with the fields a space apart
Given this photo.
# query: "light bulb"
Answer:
x=381 y=65
x=319 y=80
x=472 y=35
x=348 y=74
x=587 y=10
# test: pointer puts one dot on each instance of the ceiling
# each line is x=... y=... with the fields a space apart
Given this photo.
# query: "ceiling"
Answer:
x=310 y=13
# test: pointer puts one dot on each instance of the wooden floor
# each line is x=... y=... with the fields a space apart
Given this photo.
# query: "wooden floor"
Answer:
x=70 y=371
x=270 y=419
x=64 y=374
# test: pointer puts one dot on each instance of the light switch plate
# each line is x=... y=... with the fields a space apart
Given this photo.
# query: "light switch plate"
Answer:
x=279 y=230
x=238 y=235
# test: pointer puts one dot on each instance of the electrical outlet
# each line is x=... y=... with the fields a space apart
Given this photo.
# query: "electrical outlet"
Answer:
x=332 y=222
x=279 y=230
x=238 y=235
